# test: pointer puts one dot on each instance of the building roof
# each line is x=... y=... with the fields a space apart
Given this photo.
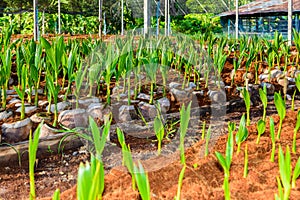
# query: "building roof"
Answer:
x=264 y=7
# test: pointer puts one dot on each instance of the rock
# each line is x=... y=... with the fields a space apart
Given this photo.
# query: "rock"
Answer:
x=276 y=73
x=143 y=96
x=283 y=82
x=192 y=85
x=85 y=102
x=5 y=114
x=95 y=111
x=249 y=76
x=270 y=88
x=198 y=93
x=127 y=113
x=28 y=109
x=40 y=91
x=179 y=94
x=73 y=118
x=14 y=101
x=217 y=96
x=263 y=77
x=47 y=131
x=20 y=104
x=148 y=111
x=291 y=80
x=17 y=131
x=42 y=103
x=288 y=97
x=10 y=92
x=10 y=81
x=270 y=97
x=39 y=117
x=164 y=104
x=61 y=106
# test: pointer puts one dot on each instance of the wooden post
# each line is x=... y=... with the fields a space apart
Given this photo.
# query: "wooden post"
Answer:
x=122 y=17
x=167 y=15
x=146 y=17
x=236 y=20
x=59 y=27
x=100 y=18
x=290 y=21
x=36 y=21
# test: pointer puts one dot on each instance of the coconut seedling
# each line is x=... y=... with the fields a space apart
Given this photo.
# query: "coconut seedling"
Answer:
x=184 y=122
x=247 y=101
x=159 y=132
x=219 y=61
x=53 y=89
x=127 y=157
x=264 y=100
x=286 y=175
x=297 y=82
x=79 y=78
x=90 y=180
x=296 y=37
x=246 y=161
x=226 y=163
x=180 y=179
x=281 y=110
x=32 y=149
x=21 y=89
x=295 y=132
x=207 y=138
x=142 y=181
x=5 y=72
x=261 y=127
x=272 y=134
x=242 y=133
x=71 y=63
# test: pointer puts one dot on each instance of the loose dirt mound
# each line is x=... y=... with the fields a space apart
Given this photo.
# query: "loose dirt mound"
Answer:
x=203 y=177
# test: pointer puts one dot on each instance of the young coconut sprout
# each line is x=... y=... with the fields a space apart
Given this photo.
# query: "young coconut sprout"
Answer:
x=90 y=181
x=295 y=132
x=246 y=162
x=142 y=181
x=127 y=157
x=180 y=179
x=207 y=138
x=242 y=133
x=280 y=107
x=184 y=123
x=79 y=78
x=32 y=149
x=203 y=130
x=261 y=127
x=56 y=195
x=287 y=178
x=247 y=101
x=5 y=72
x=21 y=91
x=297 y=82
x=36 y=71
x=70 y=67
x=226 y=163
x=264 y=100
x=272 y=134
x=54 y=90
x=219 y=61
x=296 y=36
x=159 y=132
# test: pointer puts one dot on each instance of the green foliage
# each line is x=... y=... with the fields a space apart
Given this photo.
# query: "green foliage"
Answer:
x=261 y=127
x=295 y=132
x=56 y=195
x=184 y=123
x=180 y=179
x=32 y=149
x=246 y=162
x=247 y=101
x=226 y=162
x=142 y=181
x=242 y=133
x=159 y=132
x=90 y=181
x=192 y=24
x=264 y=100
x=281 y=110
x=272 y=134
